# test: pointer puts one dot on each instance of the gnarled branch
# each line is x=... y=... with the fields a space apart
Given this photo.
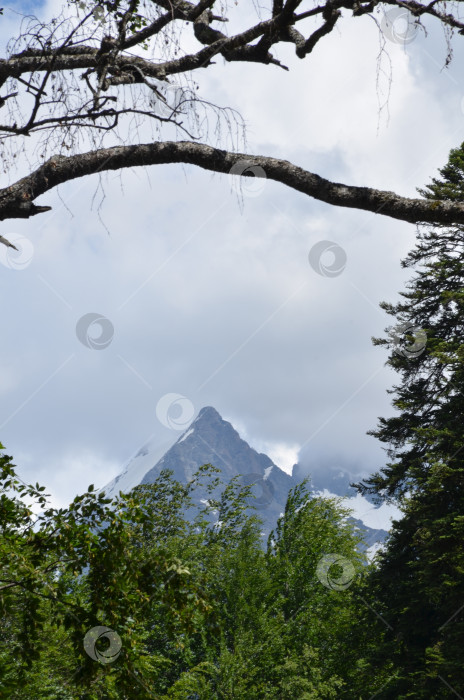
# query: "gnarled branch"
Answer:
x=17 y=201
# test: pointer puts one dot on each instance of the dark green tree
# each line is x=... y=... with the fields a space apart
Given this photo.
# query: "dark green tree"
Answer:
x=419 y=582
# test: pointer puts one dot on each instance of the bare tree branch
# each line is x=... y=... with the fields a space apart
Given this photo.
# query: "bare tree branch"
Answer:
x=17 y=201
x=75 y=83
x=4 y=241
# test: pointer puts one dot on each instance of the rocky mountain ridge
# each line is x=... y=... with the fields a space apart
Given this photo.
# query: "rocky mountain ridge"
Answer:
x=212 y=440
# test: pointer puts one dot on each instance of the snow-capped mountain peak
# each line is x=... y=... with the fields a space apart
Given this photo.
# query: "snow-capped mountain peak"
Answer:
x=209 y=439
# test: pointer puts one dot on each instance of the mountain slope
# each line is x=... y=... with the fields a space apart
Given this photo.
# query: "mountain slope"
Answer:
x=212 y=440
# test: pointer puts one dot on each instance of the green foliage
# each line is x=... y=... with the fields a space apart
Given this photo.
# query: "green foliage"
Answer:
x=419 y=583
x=132 y=13
x=75 y=569
x=451 y=184
x=201 y=609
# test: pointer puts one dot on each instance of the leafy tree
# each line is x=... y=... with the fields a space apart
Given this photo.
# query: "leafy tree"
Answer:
x=419 y=584
x=91 y=81
x=75 y=569
x=282 y=630
x=202 y=609
x=318 y=614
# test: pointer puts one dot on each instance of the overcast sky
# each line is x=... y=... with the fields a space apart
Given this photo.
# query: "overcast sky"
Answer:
x=209 y=294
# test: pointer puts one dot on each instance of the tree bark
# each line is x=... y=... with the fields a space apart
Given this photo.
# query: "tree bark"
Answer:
x=17 y=200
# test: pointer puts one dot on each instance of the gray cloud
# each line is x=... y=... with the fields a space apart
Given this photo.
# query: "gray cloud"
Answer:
x=215 y=299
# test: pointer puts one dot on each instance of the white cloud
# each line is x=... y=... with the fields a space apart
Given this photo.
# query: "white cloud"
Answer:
x=217 y=303
x=285 y=456
x=376 y=517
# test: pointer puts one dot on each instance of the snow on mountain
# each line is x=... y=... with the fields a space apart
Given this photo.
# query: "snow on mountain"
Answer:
x=134 y=471
x=267 y=472
x=209 y=439
x=186 y=435
x=375 y=517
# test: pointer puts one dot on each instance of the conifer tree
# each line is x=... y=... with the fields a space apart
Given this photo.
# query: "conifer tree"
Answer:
x=418 y=586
